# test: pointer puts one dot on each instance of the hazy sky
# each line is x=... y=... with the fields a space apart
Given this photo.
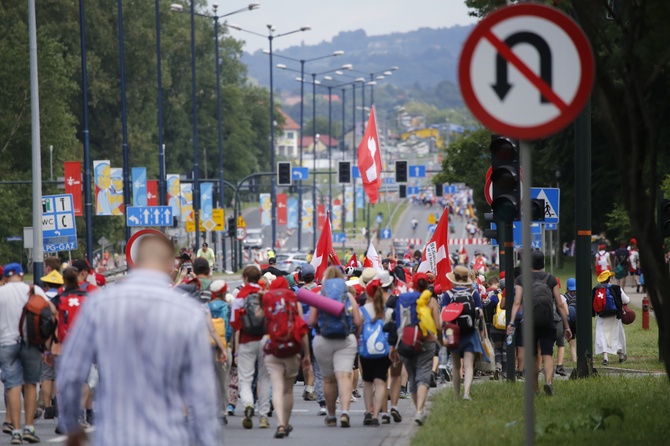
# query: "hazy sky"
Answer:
x=328 y=17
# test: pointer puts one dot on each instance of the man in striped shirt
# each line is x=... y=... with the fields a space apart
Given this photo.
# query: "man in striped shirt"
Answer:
x=153 y=356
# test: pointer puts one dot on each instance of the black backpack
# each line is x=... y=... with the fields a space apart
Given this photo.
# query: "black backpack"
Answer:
x=543 y=302
x=467 y=320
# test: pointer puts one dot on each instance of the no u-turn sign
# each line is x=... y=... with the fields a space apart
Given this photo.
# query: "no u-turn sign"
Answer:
x=526 y=71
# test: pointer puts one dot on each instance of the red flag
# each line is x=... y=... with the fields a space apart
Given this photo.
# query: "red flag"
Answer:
x=152 y=192
x=323 y=250
x=321 y=215
x=282 y=210
x=353 y=261
x=72 y=174
x=436 y=254
x=367 y=263
x=370 y=159
x=334 y=259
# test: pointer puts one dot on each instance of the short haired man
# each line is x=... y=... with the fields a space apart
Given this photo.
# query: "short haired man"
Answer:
x=207 y=254
x=272 y=268
x=545 y=336
x=84 y=272
x=144 y=304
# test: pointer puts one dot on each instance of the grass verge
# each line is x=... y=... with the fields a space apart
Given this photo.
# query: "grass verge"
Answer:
x=612 y=410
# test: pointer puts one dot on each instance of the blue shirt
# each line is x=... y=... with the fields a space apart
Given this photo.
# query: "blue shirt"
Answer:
x=153 y=355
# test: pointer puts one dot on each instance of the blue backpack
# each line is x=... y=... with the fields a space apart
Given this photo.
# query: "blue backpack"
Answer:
x=374 y=342
x=336 y=327
x=610 y=304
x=221 y=310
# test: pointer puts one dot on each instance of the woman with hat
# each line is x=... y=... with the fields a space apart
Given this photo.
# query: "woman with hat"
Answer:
x=610 y=335
x=470 y=343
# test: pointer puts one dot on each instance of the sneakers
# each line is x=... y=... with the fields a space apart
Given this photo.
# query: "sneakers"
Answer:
x=344 y=420
x=420 y=418
x=386 y=418
x=38 y=412
x=322 y=411
x=403 y=393
x=330 y=421
x=520 y=375
x=466 y=397
x=308 y=396
x=264 y=423
x=549 y=389
x=356 y=393
x=367 y=419
x=374 y=422
x=7 y=428
x=247 y=422
x=560 y=370
x=16 y=438
x=29 y=435
x=496 y=375
x=623 y=359
x=606 y=362
x=231 y=410
x=353 y=398
x=49 y=413
x=396 y=415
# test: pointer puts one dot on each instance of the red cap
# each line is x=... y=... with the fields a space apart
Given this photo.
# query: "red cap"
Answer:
x=417 y=277
x=633 y=241
x=280 y=283
x=100 y=280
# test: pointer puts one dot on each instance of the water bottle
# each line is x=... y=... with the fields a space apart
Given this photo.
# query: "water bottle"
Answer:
x=510 y=338
x=450 y=336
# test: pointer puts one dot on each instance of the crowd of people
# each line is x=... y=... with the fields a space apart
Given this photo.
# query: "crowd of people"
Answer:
x=394 y=329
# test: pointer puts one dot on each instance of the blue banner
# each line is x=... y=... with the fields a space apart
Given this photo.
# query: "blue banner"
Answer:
x=206 y=201
x=360 y=198
x=139 y=175
x=292 y=213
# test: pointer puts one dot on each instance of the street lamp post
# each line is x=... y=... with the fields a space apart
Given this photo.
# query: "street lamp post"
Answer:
x=344 y=190
x=330 y=153
x=194 y=112
x=124 y=118
x=159 y=76
x=315 y=136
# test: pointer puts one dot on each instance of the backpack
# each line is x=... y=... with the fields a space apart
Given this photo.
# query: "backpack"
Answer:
x=221 y=310
x=285 y=326
x=466 y=320
x=603 y=301
x=410 y=337
x=543 y=302
x=220 y=329
x=336 y=327
x=374 y=342
x=500 y=318
x=253 y=318
x=39 y=320
x=489 y=308
x=571 y=300
x=69 y=304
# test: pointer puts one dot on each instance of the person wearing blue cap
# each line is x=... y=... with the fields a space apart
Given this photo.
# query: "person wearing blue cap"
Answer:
x=570 y=297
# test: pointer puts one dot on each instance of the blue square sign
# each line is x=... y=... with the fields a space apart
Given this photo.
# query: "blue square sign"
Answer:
x=58 y=223
x=300 y=173
x=417 y=171
x=355 y=173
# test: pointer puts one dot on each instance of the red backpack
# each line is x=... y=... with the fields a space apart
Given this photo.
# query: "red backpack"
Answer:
x=39 y=320
x=285 y=327
x=69 y=304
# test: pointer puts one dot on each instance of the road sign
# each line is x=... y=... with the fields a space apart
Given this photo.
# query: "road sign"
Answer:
x=216 y=223
x=431 y=230
x=417 y=171
x=413 y=190
x=241 y=233
x=499 y=79
x=300 y=173
x=149 y=216
x=432 y=219
x=240 y=222
x=449 y=189
x=488 y=186
x=355 y=173
x=339 y=237
x=58 y=223
x=385 y=233
x=550 y=226
x=535 y=235
x=551 y=197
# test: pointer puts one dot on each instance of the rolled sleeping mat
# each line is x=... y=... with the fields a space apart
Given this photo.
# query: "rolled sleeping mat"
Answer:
x=320 y=302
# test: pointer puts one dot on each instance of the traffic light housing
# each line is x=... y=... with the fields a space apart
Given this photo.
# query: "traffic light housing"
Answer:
x=664 y=217
x=284 y=174
x=537 y=209
x=506 y=178
x=402 y=191
x=439 y=190
x=401 y=171
x=490 y=233
x=232 y=227
x=344 y=172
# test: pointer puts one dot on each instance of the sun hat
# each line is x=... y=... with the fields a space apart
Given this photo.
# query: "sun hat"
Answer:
x=459 y=276
x=367 y=275
x=53 y=277
x=385 y=278
x=605 y=276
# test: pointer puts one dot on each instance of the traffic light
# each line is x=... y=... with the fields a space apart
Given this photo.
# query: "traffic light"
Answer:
x=490 y=233
x=284 y=174
x=537 y=209
x=232 y=227
x=439 y=190
x=402 y=191
x=506 y=178
x=664 y=217
x=401 y=171
x=344 y=172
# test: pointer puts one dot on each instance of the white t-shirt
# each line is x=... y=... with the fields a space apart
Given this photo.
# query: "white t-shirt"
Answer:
x=370 y=308
x=603 y=259
x=633 y=260
x=13 y=297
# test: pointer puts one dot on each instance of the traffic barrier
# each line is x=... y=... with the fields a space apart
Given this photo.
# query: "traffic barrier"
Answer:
x=469 y=241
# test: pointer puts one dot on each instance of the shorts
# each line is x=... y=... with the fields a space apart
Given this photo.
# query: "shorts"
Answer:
x=420 y=367
x=573 y=329
x=375 y=368
x=335 y=355
x=560 y=334
x=20 y=365
x=287 y=367
x=545 y=336
x=48 y=371
x=518 y=335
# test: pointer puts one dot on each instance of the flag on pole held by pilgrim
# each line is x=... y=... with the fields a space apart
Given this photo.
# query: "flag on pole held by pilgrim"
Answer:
x=372 y=259
x=324 y=252
x=435 y=257
x=370 y=159
x=353 y=262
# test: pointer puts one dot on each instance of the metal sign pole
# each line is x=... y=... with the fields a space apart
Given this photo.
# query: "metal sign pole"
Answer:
x=527 y=285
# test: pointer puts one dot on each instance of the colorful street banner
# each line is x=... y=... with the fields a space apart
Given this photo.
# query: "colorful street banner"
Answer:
x=266 y=210
x=186 y=202
x=139 y=175
x=116 y=176
x=349 y=201
x=360 y=198
x=103 y=187
x=337 y=215
x=307 y=216
x=292 y=213
x=206 y=201
x=174 y=193
x=152 y=193
x=72 y=174
x=282 y=211
x=320 y=215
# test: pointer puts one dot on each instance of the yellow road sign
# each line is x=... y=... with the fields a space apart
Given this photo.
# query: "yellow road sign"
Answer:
x=216 y=223
x=431 y=219
x=241 y=223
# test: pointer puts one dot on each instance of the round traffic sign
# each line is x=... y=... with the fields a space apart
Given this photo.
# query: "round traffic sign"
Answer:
x=526 y=71
x=131 y=247
x=241 y=234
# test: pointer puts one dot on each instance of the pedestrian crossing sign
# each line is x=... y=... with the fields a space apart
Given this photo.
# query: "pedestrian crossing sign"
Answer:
x=551 y=197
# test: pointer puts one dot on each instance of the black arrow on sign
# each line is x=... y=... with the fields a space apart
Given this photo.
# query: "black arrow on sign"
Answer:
x=502 y=86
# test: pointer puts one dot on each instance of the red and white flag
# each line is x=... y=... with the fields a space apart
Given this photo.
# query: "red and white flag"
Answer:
x=323 y=251
x=372 y=259
x=435 y=257
x=353 y=261
x=370 y=159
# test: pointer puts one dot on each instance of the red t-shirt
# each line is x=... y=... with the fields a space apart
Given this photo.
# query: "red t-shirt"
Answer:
x=238 y=305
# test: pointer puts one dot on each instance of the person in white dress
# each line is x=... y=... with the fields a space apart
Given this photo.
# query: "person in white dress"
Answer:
x=610 y=334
